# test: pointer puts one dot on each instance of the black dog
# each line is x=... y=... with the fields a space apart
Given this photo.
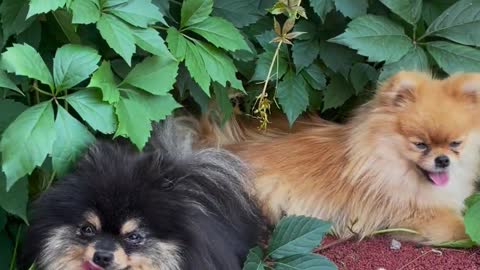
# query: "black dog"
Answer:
x=168 y=208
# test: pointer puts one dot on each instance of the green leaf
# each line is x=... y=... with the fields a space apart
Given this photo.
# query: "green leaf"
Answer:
x=338 y=58
x=305 y=262
x=471 y=219
x=16 y=199
x=265 y=40
x=433 y=8
x=314 y=76
x=466 y=243
x=164 y=8
x=99 y=115
x=3 y=219
x=155 y=75
x=44 y=6
x=458 y=23
x=5 y=82
x=195 y=11
x=309 y=28
x=25 y=61
x=351 y=8
x=31 y=36
x=196 y=92
x=360 y=75
x=473 y=199
x=141 y=13
x=263 y=64
x=223 y=101
x=64 y=20
x=73 y=139
x=245 y=56
x=157 y=107
x=104 y=79
x=196 y=67
x=455 y=58
x=9 y=110
x=409 y=10
x=220 y=33
x=296 y=235
x=27 y=141
x=111 y=3
x=240 y=13
x=322 y=7
x=219 y=66
x=254 y=260
x=176 y=43
x=133 y=122
x=150 y=40
x=377 y=38
x=415 y=59
x=85 y=11
x=304 y=53
x=293 y=96
x=337 y=93
x=13 y=14
x=73 y=64
x=6 y=250
x=118 y=36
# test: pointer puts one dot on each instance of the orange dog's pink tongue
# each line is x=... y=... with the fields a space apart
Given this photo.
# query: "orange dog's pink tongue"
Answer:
x=440 y=179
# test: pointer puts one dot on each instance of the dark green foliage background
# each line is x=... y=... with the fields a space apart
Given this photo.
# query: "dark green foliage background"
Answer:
x=72 y=69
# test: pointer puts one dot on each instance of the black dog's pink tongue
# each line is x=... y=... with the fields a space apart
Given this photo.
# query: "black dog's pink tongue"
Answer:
x=440 y=179
x=90 y=266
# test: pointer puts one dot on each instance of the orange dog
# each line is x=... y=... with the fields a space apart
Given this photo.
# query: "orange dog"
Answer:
x=408 y=159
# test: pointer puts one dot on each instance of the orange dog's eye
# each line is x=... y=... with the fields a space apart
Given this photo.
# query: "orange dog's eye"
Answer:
x=421 y=145
x=455 y=144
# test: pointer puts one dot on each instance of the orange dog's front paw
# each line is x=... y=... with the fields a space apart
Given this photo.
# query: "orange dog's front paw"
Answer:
x=445 y=226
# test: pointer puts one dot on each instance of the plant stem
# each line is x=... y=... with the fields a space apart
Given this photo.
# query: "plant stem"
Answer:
x=395 y=230
x=66 y=103
x=334 y=243
x=36 y=88
x=269 y=74
x=37 y=97
x=160 y=27
x=17 y=240
x=414 y=34
x=190 y=38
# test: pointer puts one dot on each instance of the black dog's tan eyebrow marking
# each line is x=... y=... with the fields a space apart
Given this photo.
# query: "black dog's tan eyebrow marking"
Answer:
x=130 y=226
x=93 y=219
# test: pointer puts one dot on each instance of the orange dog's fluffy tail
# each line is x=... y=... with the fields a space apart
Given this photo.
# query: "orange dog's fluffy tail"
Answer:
x=242 y=128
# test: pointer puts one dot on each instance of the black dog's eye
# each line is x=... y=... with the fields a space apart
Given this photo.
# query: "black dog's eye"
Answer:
x=88 y=230
x=455 y=144
x=421 y=145
x=168 y=184
x=134 y=238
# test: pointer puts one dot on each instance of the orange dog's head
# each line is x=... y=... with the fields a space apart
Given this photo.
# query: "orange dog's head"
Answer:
x=434 y=118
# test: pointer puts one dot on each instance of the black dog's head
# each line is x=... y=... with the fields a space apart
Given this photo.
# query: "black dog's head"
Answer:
x=120 y=209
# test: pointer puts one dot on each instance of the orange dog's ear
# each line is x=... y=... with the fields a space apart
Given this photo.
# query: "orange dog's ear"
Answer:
x=399 y=90
x=465 y=87
x=471 y=87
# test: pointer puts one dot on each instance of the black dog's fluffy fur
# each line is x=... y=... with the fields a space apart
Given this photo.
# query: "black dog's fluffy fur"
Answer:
x=198 y=199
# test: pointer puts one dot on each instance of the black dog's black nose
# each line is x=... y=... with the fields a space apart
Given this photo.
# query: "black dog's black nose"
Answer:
x=103 y=258
x=442 y=161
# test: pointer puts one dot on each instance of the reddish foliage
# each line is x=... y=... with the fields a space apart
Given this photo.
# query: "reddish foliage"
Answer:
x=375 y=254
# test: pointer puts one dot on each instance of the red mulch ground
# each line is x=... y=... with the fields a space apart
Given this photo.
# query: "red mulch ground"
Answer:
x=376 y=254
